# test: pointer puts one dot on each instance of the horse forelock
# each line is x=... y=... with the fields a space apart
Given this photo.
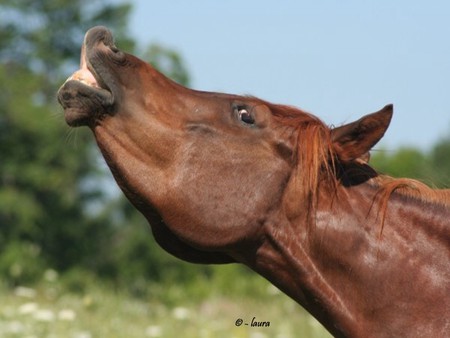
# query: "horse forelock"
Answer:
x=314 y=158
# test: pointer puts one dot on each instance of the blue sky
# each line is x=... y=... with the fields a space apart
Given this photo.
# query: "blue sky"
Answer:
x=339 y=59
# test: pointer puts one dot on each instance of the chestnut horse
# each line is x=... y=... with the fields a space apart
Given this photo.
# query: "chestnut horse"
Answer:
x=226 y=178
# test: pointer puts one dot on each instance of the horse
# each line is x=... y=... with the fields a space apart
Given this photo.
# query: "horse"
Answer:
x=224 y=178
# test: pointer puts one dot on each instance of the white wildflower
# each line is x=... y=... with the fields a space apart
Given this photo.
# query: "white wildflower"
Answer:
x=50 y=275
x=153 y=331
x=22 y=291
x=67 y=315
x=180 y=313
x=44 y=315
x=15 y=327
x=82 y=334
x=28 y=308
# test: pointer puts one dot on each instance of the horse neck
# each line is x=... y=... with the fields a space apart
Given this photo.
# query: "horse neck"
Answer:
x=349 y=264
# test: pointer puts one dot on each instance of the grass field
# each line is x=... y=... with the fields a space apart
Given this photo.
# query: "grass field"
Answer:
x=54 y=309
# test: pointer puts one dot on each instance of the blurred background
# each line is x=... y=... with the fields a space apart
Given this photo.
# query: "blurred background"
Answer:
x=76 y=260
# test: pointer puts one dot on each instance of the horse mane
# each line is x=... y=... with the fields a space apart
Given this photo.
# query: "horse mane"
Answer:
x=314 y=155
x=316 y=162
x=412 y=188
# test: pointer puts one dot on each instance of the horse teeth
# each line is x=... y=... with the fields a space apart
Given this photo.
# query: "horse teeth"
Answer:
x=84 y=77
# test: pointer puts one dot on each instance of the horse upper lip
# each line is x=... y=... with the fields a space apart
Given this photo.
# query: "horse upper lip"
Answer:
x=87 y=74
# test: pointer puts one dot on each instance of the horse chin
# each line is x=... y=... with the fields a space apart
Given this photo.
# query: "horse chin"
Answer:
x=83 y=103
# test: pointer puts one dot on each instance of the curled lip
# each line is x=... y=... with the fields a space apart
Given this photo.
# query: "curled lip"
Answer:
x=87 y=75
x=86 y=95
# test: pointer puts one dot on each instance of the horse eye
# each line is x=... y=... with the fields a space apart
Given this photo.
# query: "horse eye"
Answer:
x=245 y=116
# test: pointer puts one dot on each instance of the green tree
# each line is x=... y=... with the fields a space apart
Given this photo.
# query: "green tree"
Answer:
x=41 y=182
x=168 y=62
x=432 y=167
x=44 y=36
x=440 y=162
x=53 y=208
x=403 y=162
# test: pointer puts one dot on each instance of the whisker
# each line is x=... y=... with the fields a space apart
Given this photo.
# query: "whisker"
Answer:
x=54 y=115
x=72 y=137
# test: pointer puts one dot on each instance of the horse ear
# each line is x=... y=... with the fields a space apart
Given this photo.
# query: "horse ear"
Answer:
x=354 y=140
